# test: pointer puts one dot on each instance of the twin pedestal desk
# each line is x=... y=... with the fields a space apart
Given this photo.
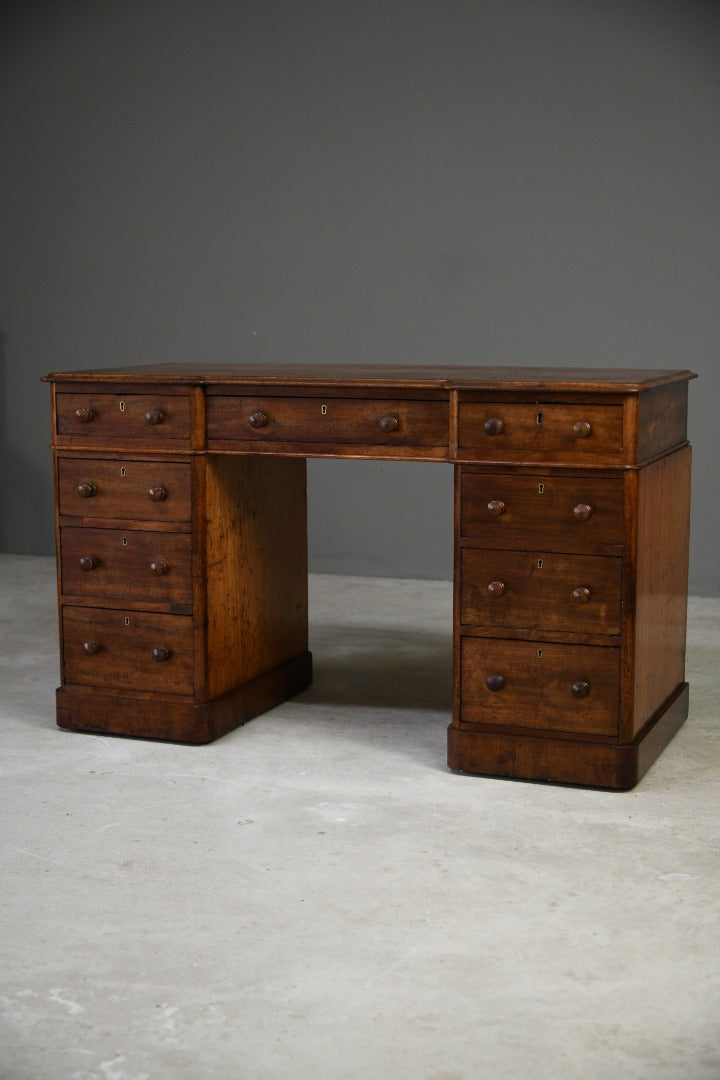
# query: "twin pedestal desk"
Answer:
x=182 y=550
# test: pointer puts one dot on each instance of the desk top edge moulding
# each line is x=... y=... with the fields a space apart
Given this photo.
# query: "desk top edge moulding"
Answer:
x=181 y=533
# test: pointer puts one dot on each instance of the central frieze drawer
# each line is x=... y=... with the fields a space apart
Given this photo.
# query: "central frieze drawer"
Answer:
x=537 y=590
x=512 y=431
x=359 y=421
x=130 y=650
x=573 y=688
x=108 y=419
x=131 y=490
x=581 y=514
x=126 y=565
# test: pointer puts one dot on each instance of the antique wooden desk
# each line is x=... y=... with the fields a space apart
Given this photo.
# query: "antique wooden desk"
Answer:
x=182 y=551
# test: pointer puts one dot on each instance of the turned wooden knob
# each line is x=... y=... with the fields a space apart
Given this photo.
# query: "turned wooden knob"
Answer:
x=154 y=416
x=88 y=562
x=495 y=682
x=157 y=494
x=160 y=653
x=91 y=648
x=582 y=511
x=389 y=423
x=581 y=595
x=86 y=490
x=581 y=429
x=496 y=588
x=257 y=419
x=494 y=426
x=580 y=689
x=85 y=416
x=496 y=507
x=159 y=567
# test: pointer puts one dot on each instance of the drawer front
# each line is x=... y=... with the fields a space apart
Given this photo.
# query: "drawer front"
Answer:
x=126 y=565
x=131 y=490
x=541 y=591
x=107 y=419
x=512 y=431
x=572 y=688
x=131 y=650
x=351 y=421
x=553 y=513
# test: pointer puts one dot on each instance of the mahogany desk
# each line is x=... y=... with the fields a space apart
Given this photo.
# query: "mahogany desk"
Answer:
x=182 y=550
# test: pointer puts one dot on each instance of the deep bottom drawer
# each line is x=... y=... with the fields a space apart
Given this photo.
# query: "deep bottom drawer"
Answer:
x=130 y=650
x=521 y=684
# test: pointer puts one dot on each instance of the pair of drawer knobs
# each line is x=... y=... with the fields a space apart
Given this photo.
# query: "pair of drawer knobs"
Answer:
x=160 y=653
x=388 y=424
x=495 y=426
x=581 y=595
x=152 y=417
x=579 y=689
x=91 y=562
x=88 y=490
x=581 y=512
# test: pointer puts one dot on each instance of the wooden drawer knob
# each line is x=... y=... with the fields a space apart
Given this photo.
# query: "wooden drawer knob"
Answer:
x=580 y=689
x=157 y=494
x=159 y=567
x=581 y=595
x=257 y=420
x=91 y=648
x=160 y=653
x=582 y=511
x=88 y=562
x=496 y=588
x=85 y=416
x=581 y=429
x=496 y=507
x=86 y=490
x=389 y=423
x=494 y=426
x=495 y=683
x=154 y=416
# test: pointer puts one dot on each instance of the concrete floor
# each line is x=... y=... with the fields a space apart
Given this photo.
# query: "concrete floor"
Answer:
x=316 y=896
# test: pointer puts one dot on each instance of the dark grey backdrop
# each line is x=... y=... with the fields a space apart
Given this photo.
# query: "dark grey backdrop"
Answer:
x=505 y=181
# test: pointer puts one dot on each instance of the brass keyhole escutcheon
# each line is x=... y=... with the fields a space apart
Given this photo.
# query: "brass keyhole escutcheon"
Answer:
x=323 y=410
x=539 y=654
x=122 y=406
x=541 y=488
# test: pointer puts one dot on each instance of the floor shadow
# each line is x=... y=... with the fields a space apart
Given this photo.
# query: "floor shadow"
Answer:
x=374 y=668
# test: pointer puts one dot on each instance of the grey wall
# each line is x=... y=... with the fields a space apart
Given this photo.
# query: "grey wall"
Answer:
x=506 y=181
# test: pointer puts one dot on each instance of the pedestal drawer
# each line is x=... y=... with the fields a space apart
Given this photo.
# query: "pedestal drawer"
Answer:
x=581 y=514
x=540 y=590
x=127 y=489
x=126 y=565
x=573 y=688
x=131 y=650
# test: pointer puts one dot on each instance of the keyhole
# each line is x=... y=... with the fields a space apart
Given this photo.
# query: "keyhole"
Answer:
x=122 y=406
x=541 y=489
x=123 y=470
x=539 y=654
x=323 y=410
x=539 y=418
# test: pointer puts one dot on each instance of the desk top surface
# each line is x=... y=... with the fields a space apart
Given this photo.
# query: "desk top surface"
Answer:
x=394 y=376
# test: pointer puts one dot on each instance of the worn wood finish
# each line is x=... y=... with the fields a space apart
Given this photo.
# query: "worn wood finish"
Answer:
x=127 y=564
x=142 y=420
x=661 y=575
x=128 y=649
x=384 y=422
x=256 y=578
x=542 y=510
x=571 y=517
x=124 y=489
x=535 y=589
x=522 y=684
x=538 y=431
